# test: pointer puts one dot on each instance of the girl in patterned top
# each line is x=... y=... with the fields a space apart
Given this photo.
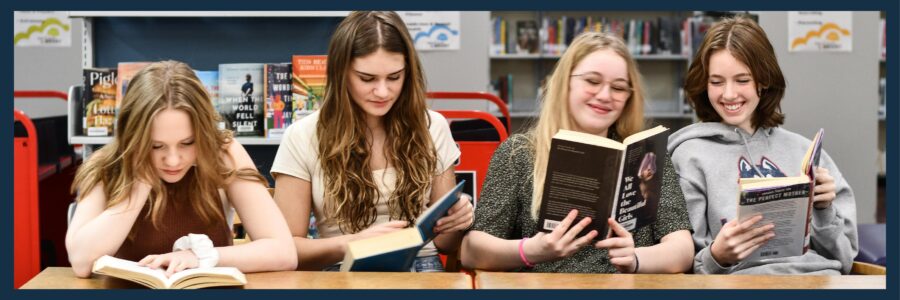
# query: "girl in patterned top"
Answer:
x=594 y=89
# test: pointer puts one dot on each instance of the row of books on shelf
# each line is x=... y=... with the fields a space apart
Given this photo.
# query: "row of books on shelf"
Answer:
x=253 y=99
x=550 y=36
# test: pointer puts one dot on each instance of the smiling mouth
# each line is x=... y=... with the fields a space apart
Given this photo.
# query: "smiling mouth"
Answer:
x=733 y=107
x=172 y=172
x=599 y=109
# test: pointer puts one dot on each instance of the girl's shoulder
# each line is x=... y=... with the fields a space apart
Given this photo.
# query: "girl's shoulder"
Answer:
x=517 y=146
x=436 y=121
x=305 y=127
x=235 y=156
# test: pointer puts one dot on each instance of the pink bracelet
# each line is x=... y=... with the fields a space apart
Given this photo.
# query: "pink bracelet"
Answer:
x=522 y=253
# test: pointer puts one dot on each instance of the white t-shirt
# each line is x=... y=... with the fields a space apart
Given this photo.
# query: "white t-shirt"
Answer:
x=298 y=156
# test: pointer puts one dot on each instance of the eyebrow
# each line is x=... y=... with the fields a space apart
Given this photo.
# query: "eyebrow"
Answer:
x=595 y=73
x=373 y=75
x=736 y=75
x=181 y=141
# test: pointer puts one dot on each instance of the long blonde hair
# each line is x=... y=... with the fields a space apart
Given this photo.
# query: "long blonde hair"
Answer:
x=126 y=159
x=351 y=192
x=555 y=115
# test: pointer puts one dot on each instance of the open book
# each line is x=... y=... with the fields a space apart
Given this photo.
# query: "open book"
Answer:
x=156 y=278
x=603 y=178
x=786 y=202
x=396 y=251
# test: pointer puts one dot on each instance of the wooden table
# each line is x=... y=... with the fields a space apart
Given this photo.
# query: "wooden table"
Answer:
x=495 y=280
x=64 y=278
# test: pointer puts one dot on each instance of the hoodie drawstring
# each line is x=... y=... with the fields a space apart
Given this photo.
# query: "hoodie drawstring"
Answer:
x=747 y=146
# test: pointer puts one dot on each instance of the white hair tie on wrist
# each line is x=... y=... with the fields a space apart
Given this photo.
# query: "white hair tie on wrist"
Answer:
x=202 y=246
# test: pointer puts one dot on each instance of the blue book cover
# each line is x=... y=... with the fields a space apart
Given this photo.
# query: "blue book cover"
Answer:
x=396 y=251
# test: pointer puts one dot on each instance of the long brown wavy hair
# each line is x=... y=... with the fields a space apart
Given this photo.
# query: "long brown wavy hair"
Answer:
x=350 y=190
x=555 y=114
x=118 y=165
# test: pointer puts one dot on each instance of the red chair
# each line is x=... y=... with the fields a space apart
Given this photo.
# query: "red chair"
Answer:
x=26 y=233
x=26 y=237
x=478 y=96
x=475 y=156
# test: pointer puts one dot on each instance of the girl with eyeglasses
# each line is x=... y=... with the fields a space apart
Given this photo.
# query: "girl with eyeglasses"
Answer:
x=735 y=85
x=595 y=89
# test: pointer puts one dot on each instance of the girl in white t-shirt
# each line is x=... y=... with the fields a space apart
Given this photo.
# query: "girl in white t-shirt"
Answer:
x=373 y=157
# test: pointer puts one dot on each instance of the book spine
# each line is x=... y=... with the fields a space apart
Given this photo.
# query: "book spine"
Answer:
x=620 y=161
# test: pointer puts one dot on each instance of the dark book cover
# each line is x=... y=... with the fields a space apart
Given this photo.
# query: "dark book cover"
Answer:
x=399 y=260
x=279 y=104
x=641 y=182
x=241 y=98
x=428 y=218
x=675 y=33
x=396 y=251
x=571 y=183
x=527 y=35
x=602 y=179
x=98 y=102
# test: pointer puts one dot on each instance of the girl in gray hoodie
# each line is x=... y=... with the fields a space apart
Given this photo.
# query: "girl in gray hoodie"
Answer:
x=735 y=85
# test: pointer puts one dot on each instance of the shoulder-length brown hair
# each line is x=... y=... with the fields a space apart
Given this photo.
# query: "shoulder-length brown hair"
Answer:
x=748 y=43
x=351 y=193
x=126 y=159
x=555 y=115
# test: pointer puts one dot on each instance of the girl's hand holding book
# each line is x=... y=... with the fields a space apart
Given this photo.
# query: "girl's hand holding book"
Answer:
x=824 y=190
x=737 y=240
x=460 y=217
x=620 y=248
x=559 y=243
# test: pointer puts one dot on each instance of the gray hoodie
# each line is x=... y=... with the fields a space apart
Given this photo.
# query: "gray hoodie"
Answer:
x=710 y=157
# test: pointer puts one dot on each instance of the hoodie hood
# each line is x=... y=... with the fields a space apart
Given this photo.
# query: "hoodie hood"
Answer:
x=713 y=131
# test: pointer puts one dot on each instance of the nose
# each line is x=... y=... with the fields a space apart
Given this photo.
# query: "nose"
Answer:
x=381 y=89
x=729 y=93
x=604 y=93
x=172 y=158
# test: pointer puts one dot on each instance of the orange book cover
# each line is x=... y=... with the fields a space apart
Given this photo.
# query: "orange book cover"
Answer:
x=126 y=72
x=308 y=83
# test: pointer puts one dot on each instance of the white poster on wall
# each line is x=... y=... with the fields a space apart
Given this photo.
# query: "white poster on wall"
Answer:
x=433 y=30
x=820 y=31
x=42 y=29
